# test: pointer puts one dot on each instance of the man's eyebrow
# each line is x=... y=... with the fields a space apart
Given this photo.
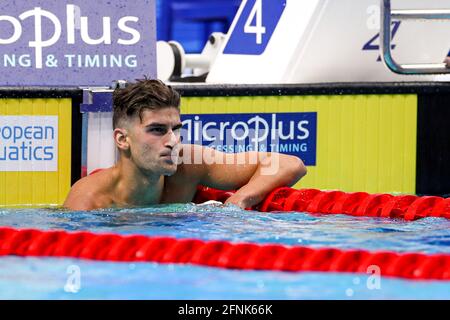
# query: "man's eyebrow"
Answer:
x=155 y=124
x=159 y=125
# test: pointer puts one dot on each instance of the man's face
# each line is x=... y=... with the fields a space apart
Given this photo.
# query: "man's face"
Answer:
x=155 y=141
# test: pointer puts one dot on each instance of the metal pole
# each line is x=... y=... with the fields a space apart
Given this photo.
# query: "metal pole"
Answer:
x=385 y=37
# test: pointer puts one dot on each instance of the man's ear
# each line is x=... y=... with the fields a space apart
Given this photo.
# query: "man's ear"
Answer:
x=120 y=138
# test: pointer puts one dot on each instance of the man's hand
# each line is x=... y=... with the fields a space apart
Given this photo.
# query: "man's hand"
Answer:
x=241 y=200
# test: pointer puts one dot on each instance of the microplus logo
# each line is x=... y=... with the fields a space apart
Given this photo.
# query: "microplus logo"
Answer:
x=93 y=41
x=73 y=21
x=28 y=143
x=289 y=133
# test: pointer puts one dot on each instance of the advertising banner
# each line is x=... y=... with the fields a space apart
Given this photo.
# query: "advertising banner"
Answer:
x=36 y=150
x=28 y=143
x=289 y=133
x=76 y=43
x=348 y=142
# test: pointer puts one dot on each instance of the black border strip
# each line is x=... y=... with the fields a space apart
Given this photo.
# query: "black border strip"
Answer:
x=207 y=90
x=39 y=92
x=433 y=145
x=77 y=127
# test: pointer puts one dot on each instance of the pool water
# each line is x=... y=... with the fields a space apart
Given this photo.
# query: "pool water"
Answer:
x=53 y=278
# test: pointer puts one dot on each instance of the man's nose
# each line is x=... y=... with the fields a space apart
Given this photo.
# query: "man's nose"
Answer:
x=172 y=140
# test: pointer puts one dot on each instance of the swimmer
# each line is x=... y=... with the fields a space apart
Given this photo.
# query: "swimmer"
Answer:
x=155 y=167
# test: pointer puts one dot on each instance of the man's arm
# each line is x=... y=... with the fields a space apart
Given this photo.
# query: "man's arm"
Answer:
x=255 y=174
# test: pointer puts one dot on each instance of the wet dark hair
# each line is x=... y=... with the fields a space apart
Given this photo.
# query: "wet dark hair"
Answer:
x=144 y=94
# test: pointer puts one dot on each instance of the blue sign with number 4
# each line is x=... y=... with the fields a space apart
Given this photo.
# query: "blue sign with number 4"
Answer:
x=255 y=27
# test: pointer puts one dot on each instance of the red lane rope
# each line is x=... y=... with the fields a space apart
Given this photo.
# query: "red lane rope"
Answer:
x=408 y=207
x=246 y=256
x=285 y=199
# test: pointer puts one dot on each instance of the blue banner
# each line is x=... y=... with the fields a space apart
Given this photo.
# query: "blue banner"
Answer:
x=289 y=133
x=76 y=43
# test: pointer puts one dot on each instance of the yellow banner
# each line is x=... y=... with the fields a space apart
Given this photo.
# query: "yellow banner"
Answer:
x=364 y=142
x=36 y=151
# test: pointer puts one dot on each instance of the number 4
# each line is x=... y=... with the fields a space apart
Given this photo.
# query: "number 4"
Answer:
x=258 y=28
x=371 y=44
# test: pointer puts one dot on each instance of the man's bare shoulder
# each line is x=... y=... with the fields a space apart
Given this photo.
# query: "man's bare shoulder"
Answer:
x=91 y=192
